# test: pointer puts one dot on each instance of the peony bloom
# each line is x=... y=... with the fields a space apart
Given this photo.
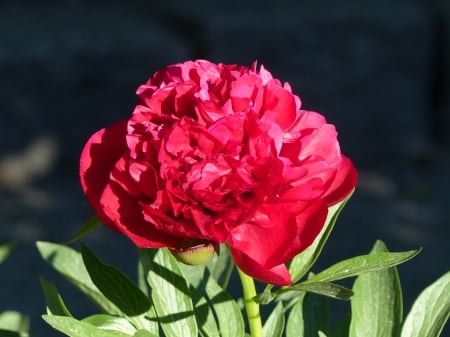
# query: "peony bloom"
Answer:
x=218 y=153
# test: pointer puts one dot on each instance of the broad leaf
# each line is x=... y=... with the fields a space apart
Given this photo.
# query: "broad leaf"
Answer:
x=430 y=311
x=115 y=286
x=377 y=307
x=113 y=323
x=73 y=328
x=170 y=293
x=274 y=326
x=362 y=264
x=69 y=264
x=303 y=262
x=144 y=333
x=227 y=311
x=89 y=226
x=204 y=315
x=53 y=299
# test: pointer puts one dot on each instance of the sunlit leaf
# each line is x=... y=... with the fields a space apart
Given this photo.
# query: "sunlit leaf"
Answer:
x=53 y=299
x=14 y=321
x=377 y=308
x=108 y=322
x=227 y=311
x=115 y=286
x=362 y=264
x=74 y=328
x=430 y=311
x=170 y=293
x=274 y=325
x=69 y=264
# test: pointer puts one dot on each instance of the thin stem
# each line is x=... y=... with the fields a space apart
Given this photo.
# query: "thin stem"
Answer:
x=251 y=307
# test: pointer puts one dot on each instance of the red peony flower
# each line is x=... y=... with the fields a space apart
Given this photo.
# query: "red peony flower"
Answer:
x=221 y=154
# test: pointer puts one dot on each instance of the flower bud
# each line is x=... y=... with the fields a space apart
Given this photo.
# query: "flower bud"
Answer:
x=194 y=251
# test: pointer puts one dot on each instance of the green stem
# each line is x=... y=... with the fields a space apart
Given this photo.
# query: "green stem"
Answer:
x=251 y=307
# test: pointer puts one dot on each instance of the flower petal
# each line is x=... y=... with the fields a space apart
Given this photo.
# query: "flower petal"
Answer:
x=99 y=155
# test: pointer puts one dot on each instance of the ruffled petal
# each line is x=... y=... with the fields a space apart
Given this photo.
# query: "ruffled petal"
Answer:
x=101 y=152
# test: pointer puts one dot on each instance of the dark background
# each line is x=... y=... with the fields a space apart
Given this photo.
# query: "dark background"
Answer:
x=379 y=70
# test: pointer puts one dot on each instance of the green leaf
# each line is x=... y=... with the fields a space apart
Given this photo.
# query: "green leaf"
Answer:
x=108 y=322
x=377 y=307
x=14 y=321
x=221 y=267
x=430 y=311
x=274 y=325
x=362 y=264
x=53 y=299
x=74 y=328
x=322 y=288
x=170 y=293
x=308 y=316
x=204 y=315
x=227 y=311
x=89 y=226
x=303 y=262
x=6 y=249
x=144 y=333
x=115 y=286
x=69 y=264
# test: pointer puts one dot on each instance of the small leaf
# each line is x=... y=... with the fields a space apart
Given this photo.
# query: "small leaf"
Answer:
x=5 y=249
x=377 y=307
x=265 y=297
x=430 y=311
x=74 y=328
x=14 y=321
x=303 y=262
x=69 y=264
x=170 y=293
x=115 y=286
x=274 y=325
x=108 y=322
x=88 y=227
x=362 y=264
x=322 y=288
x=53 y=299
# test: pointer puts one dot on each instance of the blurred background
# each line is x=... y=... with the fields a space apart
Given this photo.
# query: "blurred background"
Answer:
x=378 y=70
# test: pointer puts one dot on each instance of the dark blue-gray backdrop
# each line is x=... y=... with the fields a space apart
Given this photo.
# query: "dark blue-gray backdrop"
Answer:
x=379 y=70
